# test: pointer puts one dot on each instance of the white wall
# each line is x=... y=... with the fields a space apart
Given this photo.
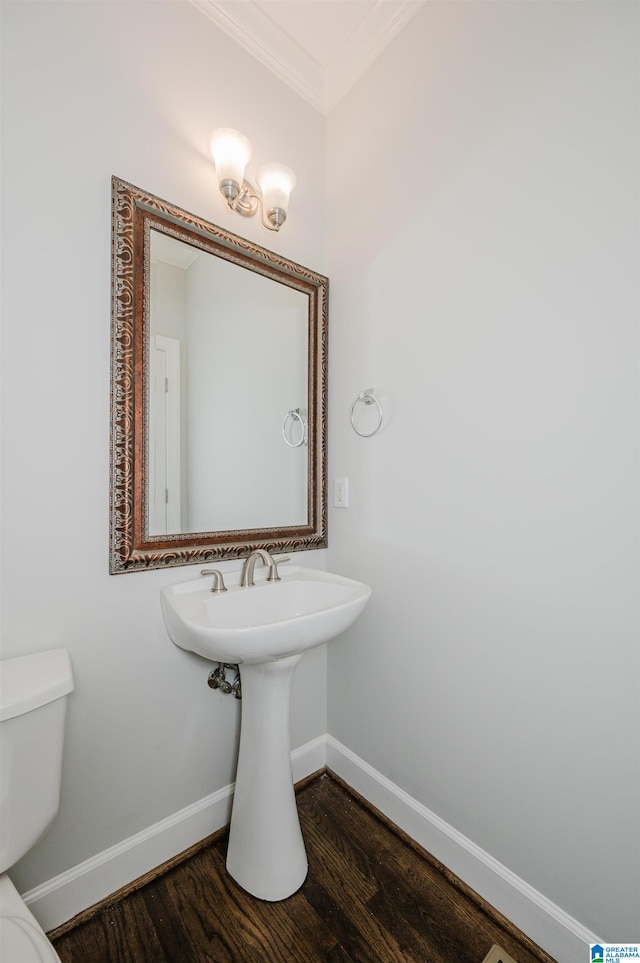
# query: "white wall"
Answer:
x=482 y=205
x=483 y=241
x=90 y=90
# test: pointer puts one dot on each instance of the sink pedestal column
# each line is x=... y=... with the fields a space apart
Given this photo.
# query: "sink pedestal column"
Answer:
x=266 y=854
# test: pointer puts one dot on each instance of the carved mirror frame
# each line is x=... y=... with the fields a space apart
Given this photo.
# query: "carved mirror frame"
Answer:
x=131 y=548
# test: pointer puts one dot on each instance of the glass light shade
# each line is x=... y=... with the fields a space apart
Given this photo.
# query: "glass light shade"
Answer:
x=231 y=152
x=276 y=183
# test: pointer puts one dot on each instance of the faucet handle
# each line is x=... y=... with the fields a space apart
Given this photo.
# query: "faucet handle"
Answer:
x=273 y=568
x=218 y=581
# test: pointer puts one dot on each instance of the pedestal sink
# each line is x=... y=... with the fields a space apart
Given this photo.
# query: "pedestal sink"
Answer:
x=264 y=628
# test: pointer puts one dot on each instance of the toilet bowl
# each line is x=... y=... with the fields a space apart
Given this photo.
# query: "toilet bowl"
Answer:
x=22 y=939
x=33 y=697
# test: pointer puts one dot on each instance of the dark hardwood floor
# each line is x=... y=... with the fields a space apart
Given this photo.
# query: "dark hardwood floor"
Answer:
x=371 y=896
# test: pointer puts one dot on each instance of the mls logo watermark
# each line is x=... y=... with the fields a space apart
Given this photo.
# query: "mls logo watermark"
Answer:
x=614 y=952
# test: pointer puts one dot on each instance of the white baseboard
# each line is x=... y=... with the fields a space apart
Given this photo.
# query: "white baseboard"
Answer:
x=62 y=898
x=546 y=924
x=309 y=758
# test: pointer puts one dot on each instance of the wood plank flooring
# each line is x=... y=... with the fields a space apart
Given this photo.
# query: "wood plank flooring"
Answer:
x=371 y=896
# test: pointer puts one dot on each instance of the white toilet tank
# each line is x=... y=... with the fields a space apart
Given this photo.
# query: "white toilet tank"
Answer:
x=33 y=691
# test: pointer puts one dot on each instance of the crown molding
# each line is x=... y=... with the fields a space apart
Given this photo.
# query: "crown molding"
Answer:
x=322 y=87
x=265 y=41
x=365 y=45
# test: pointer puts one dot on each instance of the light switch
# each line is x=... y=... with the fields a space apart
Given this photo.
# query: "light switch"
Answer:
x=341 y=492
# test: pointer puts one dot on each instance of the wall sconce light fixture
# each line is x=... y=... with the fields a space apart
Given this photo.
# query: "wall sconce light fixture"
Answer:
x=231 y=152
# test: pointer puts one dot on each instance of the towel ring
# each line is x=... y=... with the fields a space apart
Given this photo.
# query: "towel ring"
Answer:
x=368 y=398
x=294 y=414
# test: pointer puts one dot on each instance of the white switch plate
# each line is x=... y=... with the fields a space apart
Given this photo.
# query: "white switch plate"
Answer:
x=340 y=492
x=497 y=955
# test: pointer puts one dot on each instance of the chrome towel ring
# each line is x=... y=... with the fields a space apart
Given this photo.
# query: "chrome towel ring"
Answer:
x=294 y=414
x=367 y=397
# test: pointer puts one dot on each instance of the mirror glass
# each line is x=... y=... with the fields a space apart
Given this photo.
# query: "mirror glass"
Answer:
x=223 y=449
x=218 y=392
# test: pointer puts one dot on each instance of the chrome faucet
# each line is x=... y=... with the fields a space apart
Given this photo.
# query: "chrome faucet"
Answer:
x=218 y=581
x=246 y=579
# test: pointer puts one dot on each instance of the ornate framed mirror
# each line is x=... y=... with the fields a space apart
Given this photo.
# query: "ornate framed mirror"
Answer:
x=218 y=392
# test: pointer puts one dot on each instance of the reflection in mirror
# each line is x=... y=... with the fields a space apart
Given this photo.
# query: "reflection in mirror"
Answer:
x=209 y=320
x=218 y=392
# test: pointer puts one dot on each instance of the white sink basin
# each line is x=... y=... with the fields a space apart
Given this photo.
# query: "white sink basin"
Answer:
x=267 y=621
